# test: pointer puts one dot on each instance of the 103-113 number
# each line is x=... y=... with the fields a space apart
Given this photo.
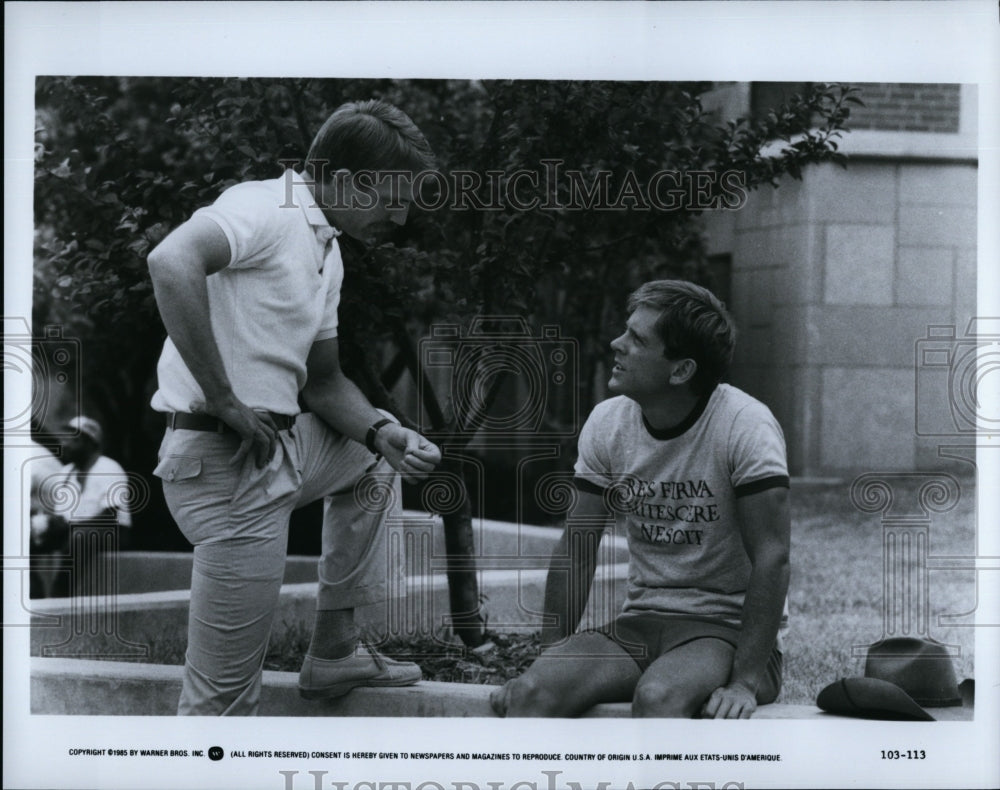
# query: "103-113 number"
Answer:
x=909 y=754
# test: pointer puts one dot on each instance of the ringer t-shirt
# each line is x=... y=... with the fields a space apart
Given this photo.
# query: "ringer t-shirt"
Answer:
x=278 y=295
x=674 y=495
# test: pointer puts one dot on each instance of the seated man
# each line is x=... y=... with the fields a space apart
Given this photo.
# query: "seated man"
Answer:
x=694 y=472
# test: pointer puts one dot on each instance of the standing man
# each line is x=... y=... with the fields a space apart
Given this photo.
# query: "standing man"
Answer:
x=694 y=471
x=248 y=290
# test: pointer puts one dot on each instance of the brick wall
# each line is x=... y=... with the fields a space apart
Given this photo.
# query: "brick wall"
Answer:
x=889 y=106
x=907 y=107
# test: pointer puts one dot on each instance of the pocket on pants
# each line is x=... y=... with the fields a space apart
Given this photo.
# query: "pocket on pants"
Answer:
x=197 y=483
x=175 y=468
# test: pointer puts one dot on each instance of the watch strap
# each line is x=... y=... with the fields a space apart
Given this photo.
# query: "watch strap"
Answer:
x=370 y=436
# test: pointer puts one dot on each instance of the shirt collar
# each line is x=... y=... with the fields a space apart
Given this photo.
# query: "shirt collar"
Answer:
x=682 y=427
x=315 y=216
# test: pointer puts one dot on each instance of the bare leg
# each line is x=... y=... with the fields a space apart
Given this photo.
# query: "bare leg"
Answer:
x=677 y=684
x=570 y=678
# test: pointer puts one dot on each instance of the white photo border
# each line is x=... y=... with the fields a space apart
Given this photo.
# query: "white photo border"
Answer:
x=843 y=41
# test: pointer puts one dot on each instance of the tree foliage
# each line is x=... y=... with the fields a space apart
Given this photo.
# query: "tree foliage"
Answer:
x=122 y=161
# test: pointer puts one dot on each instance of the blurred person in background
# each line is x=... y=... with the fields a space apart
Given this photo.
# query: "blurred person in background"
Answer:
x=88 y=493
x=44 y=469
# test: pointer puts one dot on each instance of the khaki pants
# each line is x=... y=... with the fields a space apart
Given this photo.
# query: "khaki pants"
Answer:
x=237 y=520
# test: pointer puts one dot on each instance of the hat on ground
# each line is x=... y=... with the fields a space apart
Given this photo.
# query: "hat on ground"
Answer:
x=870 y=698
x=902 y=676
x=88 y=427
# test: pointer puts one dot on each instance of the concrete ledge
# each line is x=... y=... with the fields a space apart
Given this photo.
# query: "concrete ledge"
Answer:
x=126 y=626
x=65 y=686
x=499 y=545
x=151 y=604
x=80 y=687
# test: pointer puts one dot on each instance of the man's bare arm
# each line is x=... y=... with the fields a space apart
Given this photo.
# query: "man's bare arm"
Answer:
x=179 y=266
x=572 y=567
x=765 y=525
x=337 y=401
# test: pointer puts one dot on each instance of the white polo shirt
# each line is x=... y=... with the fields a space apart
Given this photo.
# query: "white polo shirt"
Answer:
x=278 y=295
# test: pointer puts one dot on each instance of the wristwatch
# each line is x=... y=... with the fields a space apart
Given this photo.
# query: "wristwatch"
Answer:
x=370 y=436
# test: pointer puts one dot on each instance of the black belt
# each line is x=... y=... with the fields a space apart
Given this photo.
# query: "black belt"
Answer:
x=179 y=420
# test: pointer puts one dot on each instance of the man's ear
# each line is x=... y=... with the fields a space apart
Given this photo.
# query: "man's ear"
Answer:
x=683 y=371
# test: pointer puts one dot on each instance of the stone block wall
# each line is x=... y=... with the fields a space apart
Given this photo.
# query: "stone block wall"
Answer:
x=835 y=281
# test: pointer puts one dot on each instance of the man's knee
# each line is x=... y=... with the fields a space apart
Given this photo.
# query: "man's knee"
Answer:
x=656 y=699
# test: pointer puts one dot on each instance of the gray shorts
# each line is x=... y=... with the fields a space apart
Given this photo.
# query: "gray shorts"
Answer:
x=648 y=635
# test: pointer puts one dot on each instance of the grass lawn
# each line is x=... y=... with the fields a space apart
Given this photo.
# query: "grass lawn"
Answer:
x=835 y=596
x=835 y=600
x=836 y=592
